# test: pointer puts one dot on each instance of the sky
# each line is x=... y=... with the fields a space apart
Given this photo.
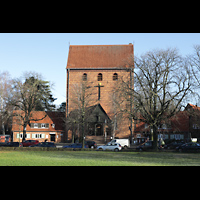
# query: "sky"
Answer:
x=47 y=53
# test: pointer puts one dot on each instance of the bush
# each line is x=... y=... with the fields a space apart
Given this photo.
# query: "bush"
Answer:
x=42 y=149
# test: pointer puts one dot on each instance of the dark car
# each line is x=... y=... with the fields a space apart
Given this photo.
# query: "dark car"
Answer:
x=173 y=145
x=44 y=144
x=189 y=147
x=91 y=144
x=28 y=143
x=75 y=145
x=145 y=146
x=11 y=144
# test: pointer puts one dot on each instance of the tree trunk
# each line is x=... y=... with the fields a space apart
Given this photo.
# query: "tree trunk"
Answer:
x=24 y=133
x=83 y=131
x=155 y=138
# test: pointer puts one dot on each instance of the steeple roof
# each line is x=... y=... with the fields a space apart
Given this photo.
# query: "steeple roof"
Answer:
x=98 y=56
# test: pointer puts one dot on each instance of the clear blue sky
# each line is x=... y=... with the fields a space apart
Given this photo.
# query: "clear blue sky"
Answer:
x=47 y=53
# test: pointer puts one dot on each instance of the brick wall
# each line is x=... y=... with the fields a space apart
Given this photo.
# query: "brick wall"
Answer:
x=106 y=101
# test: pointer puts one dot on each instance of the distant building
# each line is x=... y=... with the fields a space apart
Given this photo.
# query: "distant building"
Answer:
x=183 y=126
x=51 y=128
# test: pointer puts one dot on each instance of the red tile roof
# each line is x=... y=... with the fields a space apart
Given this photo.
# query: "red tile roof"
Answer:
x=180 y=122
x=56 y=118
x=98 y=56
x=193 y=106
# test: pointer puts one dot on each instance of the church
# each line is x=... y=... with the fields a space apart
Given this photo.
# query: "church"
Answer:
x=93 y=71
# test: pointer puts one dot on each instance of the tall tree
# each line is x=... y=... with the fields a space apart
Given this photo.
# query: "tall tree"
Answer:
x=161 y=82
x=82 y=96
x=31 y=95
x=194 y=61
x=5 y=96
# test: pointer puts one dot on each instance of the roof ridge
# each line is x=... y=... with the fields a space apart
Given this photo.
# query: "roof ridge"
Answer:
x=102 y=45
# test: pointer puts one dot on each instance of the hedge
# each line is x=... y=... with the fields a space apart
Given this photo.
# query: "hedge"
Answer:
x=42 y=149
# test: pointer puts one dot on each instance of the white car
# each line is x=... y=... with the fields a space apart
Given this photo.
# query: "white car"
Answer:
x=110 y=146
x=125 y=143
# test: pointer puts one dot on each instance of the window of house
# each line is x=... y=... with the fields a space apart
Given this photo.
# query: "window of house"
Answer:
x=39 y=135
x=39 y=125
x=172 y=136
x=115 y=77
x=35 y=125
x=84 y=77
x=43 y=125
x=100 y=77
x=196 y=126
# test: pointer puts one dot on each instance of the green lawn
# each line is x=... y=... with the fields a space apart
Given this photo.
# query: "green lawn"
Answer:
x=94 y=158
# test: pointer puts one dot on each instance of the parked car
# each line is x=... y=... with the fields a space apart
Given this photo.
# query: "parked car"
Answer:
x=146 y=146
x=91 y=144
x=11 y=144
x=110 y=146
x=75 y=145
x=44 y=144
x=125 y=143
x=174 y=144
x=28 y=143
x=189 y=147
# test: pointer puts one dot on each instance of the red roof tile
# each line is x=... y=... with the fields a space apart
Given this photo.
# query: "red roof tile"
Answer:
x=98 y=56
x=180 y=122
x=193 y=106
x=51 y=118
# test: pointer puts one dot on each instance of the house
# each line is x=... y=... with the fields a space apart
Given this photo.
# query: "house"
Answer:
x=194 y=120
x=50 y=128
x=101 y=66
x=177 y=127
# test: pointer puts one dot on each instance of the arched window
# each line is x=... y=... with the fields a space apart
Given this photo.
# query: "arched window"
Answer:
x=84 y=77
x=100 y=77
x=115 y=77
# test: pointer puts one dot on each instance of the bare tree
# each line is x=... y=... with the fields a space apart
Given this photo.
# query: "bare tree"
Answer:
x=161 y=82
x=5 y=97
x=30 y=95
x=82 y=97
x=194 y=62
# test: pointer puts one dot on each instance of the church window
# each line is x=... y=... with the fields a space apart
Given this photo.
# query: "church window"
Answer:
x=100 y=77
x=84 y=77
x=115 y=77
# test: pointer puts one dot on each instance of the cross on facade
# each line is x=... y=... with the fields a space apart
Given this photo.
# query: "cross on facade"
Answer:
x=99 y=91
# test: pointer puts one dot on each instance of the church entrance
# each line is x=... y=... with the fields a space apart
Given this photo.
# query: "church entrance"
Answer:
x=98 y=129
x=95 y=129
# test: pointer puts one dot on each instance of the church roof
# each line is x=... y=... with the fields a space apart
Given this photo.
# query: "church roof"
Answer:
x=98 y=56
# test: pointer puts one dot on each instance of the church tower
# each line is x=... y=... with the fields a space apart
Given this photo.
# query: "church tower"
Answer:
x=101 y=67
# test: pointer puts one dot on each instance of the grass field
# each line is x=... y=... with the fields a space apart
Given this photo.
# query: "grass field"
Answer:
x=94 y=158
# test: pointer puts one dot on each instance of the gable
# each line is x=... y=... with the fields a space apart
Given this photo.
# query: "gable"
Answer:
x=93 y=114
x=98 y=56
x=42 y=117
x=98 y=114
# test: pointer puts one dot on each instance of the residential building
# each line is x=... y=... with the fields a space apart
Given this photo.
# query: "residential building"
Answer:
x=175 y=128
x=50 y=128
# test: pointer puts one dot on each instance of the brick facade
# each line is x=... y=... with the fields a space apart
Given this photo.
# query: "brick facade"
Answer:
x=90 y=64
x=51 y=128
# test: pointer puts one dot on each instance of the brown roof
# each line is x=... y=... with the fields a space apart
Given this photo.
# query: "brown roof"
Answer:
x=195 y=107
x=51 y=118
x=98 y=56
x=179 y=123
